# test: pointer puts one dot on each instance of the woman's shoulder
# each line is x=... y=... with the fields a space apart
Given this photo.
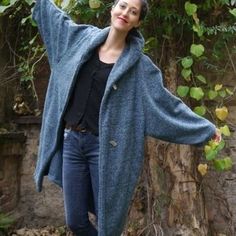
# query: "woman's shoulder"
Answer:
x=148 y=64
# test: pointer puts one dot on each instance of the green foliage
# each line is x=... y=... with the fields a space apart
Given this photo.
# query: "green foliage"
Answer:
x=182 y=91
x=5 y=4
x=199 y=32
x=190 y=8
x=202 y=88
x=187 y=62
x=5 y=222
x=200 y=110
x=197 y=49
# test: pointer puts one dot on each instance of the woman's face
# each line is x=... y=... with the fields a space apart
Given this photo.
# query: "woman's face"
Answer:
x=125 y=15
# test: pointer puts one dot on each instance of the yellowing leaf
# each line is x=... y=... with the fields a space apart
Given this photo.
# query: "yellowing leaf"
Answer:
x=229 y=92
x=93 y=4
x=233 y=11
x=213 y=144
x=218 y=87
x=225 y=130
x=221 y=113
x=207 y=148
x=202 y=168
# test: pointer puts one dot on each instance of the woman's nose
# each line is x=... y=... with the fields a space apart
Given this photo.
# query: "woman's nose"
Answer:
x=125 y=12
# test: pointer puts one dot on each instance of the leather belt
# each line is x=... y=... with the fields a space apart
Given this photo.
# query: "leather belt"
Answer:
x=77 y=128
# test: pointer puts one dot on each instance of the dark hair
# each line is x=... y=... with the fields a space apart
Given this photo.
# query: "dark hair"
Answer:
x=144 y=8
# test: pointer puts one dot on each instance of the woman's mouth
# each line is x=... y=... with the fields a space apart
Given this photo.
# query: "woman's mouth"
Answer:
x=123 y=19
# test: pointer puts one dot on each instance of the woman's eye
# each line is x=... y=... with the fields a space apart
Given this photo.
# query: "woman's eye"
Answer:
x=134 y=12
x=122 y=6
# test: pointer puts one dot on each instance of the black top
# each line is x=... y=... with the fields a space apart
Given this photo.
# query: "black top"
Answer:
x=85 y=101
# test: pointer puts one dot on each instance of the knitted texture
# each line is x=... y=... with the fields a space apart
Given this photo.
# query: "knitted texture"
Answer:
x=135 y=104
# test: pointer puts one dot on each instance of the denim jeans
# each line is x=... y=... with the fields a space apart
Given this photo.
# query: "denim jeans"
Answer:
x=80 y=171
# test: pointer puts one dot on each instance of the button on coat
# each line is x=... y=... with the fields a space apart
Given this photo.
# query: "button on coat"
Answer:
x=140 y=107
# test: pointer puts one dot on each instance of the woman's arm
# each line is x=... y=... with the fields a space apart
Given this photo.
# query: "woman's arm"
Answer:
x=57 y=30
x=169 y=119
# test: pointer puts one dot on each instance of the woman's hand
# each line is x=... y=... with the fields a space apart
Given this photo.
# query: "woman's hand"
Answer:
x=217 y=136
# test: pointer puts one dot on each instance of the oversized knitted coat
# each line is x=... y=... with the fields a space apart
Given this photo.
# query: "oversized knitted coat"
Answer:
x=135 y=104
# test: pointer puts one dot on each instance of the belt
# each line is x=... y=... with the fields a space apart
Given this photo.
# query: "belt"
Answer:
x=77 y=128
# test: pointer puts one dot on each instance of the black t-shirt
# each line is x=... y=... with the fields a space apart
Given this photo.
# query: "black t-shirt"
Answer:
x=84 y=104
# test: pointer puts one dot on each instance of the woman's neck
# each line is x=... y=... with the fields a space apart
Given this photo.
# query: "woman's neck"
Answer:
x=115 y=40
x=113 y=46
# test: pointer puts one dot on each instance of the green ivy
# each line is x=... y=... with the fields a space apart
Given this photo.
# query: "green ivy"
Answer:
x=201 y=32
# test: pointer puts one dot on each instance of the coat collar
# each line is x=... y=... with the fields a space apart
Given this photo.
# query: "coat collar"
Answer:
x=129 y=56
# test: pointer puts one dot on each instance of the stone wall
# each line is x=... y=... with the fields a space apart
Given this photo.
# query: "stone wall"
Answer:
x=12 y=150
x=36 y=209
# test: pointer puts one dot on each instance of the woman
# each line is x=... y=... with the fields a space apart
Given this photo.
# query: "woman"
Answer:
x=108 y=96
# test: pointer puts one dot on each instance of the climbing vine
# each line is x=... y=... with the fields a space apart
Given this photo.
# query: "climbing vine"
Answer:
x=203 y=90
x=202 y=31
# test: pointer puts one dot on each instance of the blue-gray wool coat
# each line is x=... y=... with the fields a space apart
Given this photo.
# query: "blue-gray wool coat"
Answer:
x=135 y=104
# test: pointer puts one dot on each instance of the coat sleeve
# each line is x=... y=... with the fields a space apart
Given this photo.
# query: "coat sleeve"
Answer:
x=168 y=118
x=57 y=30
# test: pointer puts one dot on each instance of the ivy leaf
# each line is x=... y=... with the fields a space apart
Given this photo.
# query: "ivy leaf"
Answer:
x=218 y=87
x=190 y=8
x=26 y=78
x=207 y=148
x=10 y=4
x=211 y=155
x=186 y=73
x=202 y=169
x=198 y=29
x=212 y=94
x=225 y=130
x=94 y=4
x=222 y=93
x=220 y=146
x=30 y=2
x=201 y=78
x=197 y=49
x=187 y=62
x=5 y=2
x=200 y=110
x=229 y=92
x=233 y=11
x=196 y=93
x=182 y=91
x=223 y=164
x=221 y=113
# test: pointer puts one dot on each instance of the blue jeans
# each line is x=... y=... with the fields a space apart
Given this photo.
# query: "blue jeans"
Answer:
x=80 y=171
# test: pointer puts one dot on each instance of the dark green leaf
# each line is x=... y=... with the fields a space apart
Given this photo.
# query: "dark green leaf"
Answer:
x=200 y=110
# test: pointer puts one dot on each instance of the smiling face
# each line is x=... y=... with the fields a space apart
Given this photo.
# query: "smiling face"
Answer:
x=125 y=15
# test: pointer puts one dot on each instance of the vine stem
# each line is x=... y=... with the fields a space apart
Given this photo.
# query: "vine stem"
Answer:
x=230 y=57
x=41 y=57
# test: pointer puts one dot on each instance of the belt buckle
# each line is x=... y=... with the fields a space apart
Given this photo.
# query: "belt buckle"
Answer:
x=83 y=130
